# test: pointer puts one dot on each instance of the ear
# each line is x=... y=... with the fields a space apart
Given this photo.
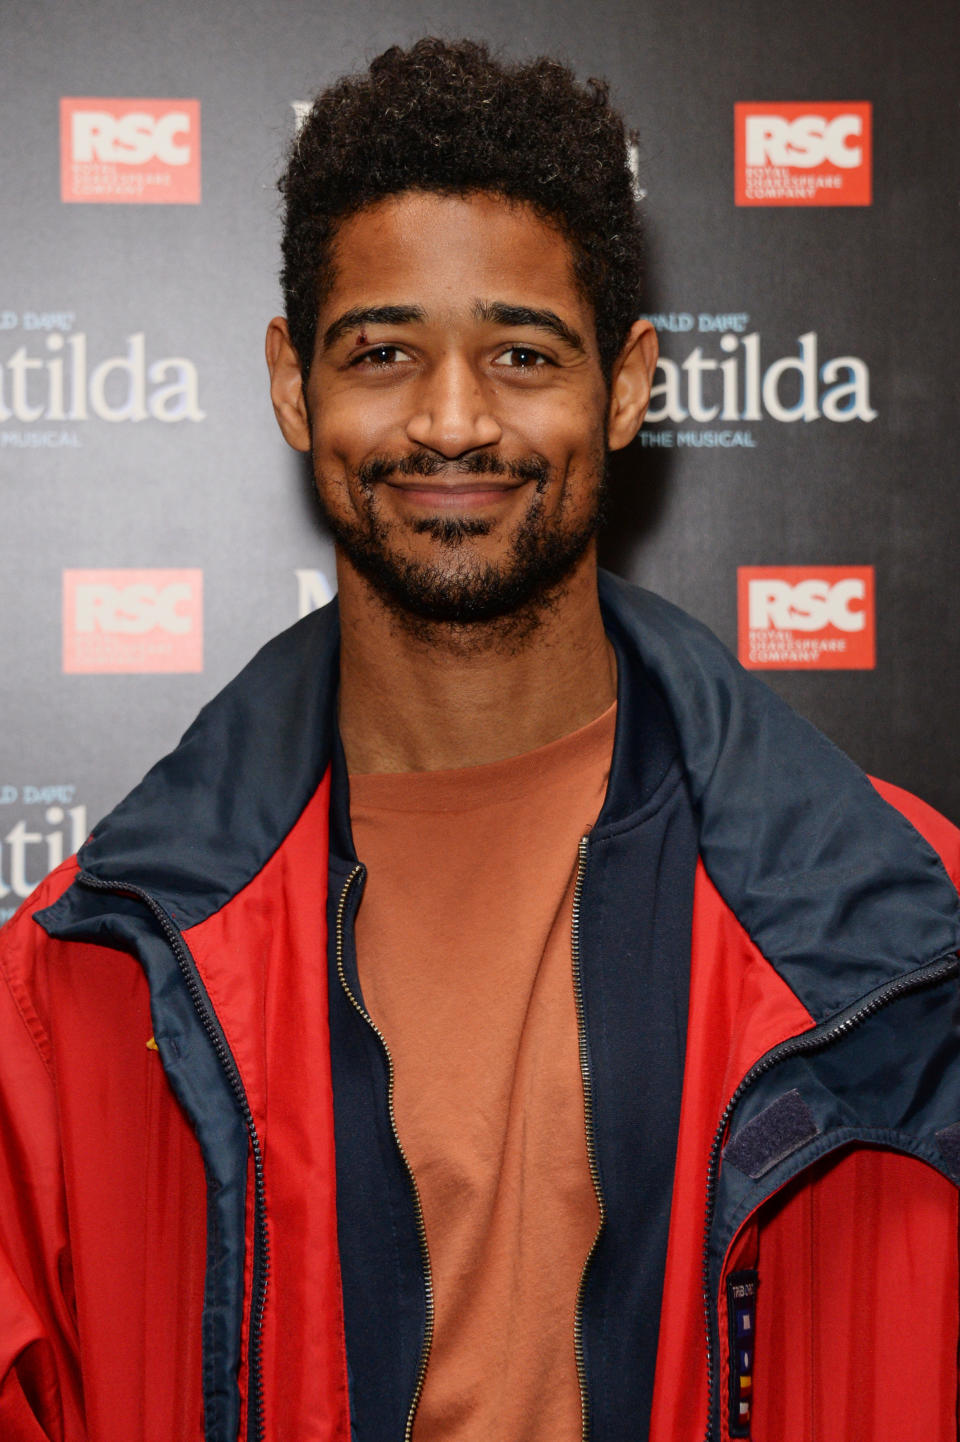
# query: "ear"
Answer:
x=286 y=386
x=630 y=384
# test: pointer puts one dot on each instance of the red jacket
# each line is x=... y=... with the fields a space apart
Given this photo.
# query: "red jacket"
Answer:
x=819 y=1137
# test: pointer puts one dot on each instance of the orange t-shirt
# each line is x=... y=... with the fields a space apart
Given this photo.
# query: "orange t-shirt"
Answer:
x=464 y=955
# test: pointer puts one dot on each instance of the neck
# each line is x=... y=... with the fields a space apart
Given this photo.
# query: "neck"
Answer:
x=438 y=697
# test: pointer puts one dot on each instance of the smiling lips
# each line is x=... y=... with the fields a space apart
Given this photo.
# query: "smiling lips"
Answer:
x=455 y=495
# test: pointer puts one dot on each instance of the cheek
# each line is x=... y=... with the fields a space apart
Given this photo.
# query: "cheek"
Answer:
x=348 y=427
x=564 y=419
x=576 y=496
x=574 y=444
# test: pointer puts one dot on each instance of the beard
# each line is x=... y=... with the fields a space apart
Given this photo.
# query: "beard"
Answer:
x=460 y=589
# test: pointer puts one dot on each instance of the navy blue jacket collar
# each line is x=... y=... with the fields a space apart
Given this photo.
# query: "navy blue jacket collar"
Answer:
x=788 y=824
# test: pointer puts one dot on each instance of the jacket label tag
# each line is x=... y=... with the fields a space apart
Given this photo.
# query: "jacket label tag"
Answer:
x=741 y=1325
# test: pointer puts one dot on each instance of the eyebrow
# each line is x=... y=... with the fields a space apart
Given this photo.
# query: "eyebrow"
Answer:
x=496 y=311
x=361 y=316
x=522 y=315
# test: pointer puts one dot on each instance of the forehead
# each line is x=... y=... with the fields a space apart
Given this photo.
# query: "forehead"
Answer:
x=444 y=252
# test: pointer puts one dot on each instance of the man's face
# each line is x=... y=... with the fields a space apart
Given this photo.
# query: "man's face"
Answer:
x=457 y=408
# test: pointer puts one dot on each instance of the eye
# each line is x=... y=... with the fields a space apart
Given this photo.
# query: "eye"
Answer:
x=521 y=357
x=380 y=356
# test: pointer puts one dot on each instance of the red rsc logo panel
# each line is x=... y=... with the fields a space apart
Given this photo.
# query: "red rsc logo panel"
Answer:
x=803 y=153
x=801 y=618
x=130 y=151
x=129 y=620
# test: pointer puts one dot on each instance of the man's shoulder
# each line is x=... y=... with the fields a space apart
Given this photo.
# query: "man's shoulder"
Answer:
x=25 y=957
x=207 y=816
x=934 y=827
x=835 y=880
x=720 y=706
x=21 y=929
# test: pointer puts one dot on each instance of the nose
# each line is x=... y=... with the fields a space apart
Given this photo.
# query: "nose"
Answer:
x=452 y=413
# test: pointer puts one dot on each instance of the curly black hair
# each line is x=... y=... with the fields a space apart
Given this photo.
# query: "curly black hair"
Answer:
x=447 y=117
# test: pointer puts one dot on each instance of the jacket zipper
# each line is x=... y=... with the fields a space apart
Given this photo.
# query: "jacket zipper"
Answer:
x=591 y=1139
x=359 y=871
x=813 y=1040
x=261 y=1248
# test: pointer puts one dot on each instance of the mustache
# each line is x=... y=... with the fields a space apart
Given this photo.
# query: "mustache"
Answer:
x=428 y=463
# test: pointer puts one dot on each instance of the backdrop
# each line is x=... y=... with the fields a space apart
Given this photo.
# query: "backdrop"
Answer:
x=794 y=484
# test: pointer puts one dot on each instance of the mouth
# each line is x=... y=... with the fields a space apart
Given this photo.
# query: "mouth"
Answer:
x=425 y=483
x=465 y=494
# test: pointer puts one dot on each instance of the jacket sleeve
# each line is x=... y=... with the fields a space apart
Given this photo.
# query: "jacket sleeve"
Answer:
x=40 y=1393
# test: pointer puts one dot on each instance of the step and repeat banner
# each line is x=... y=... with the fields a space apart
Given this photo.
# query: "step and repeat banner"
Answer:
x=794 y=485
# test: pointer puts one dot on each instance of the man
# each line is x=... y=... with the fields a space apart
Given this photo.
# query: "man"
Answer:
x=500 y=1018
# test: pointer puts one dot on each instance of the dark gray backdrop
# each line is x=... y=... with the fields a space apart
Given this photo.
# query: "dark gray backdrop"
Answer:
x=223 y=495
